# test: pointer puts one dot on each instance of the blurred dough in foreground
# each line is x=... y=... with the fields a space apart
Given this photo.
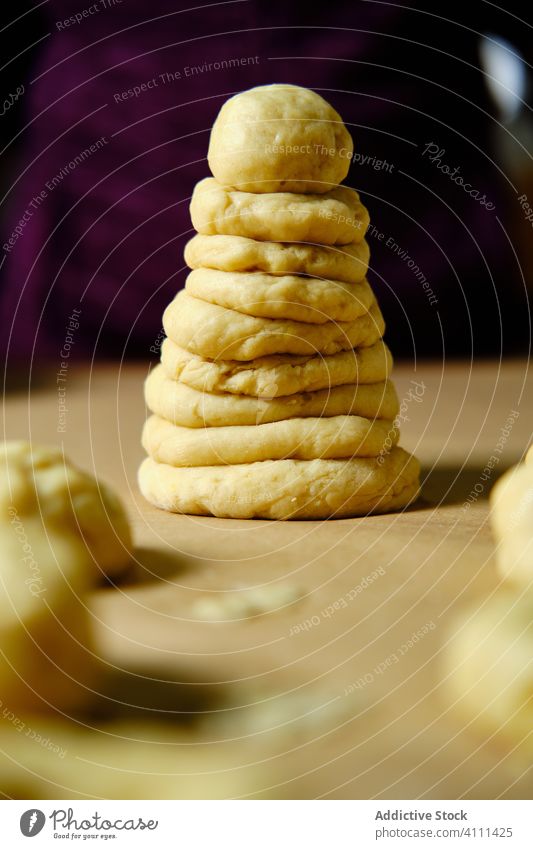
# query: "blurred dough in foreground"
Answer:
x=46 y=759
x=511 y=501
x=59 y=529
x=489 y=665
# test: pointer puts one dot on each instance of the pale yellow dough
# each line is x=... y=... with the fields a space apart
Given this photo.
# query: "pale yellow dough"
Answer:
x=59 y=530
x=218 y=333
x=47 y=758
x=237 y=253
x=511 y=501
x=489 y=672
x=335 y=218
x=46 y=660
x=284 y=489
x=277 y=375
x=182 y=405
x=308 y=299
x=279 y=138
x=298 y=439
x=40 y=480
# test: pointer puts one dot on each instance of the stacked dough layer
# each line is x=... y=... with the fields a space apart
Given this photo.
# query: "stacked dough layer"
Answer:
x=272 y=398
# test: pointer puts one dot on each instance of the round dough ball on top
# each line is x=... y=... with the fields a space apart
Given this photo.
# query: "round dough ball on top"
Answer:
x=278 y=375
x=279 y=138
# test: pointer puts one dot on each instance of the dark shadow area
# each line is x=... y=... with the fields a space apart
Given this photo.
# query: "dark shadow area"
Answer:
x=445 y=485
x=135 y=694
x=149 y=565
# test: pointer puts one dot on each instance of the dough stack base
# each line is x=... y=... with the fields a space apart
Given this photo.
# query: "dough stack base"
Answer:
x=272 y=399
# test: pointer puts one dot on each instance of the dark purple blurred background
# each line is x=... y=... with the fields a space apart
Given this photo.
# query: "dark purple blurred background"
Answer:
x=106 y=233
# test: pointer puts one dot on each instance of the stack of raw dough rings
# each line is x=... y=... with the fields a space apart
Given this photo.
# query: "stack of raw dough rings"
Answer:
x=272 y=398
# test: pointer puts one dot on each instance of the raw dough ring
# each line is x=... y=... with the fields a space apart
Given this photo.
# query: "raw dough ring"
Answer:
x=218 y=333
x=297 y=439
x=237 y=253
x=335 y=218
x=285 y=489
x=308 y=299
x=181 y=405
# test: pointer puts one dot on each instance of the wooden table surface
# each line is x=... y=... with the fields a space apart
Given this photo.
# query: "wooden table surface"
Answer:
x=341 y=709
